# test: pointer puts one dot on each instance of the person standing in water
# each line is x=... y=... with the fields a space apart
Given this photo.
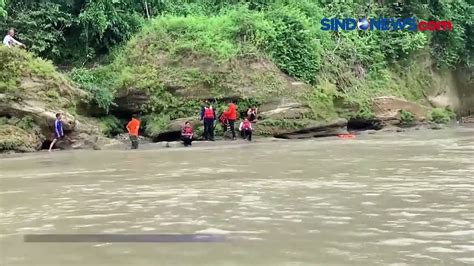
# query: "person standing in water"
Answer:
x=246 y=129
x=208 y=116
x=58 y=131
x=187 y=134
x=132 y=127
x=231 y=115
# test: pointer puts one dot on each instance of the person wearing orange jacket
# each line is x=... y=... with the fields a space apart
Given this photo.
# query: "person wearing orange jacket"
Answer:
x=231 y=115
x=132 y=128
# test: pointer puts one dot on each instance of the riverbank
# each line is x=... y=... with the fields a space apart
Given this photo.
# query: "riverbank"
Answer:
x=366 y=135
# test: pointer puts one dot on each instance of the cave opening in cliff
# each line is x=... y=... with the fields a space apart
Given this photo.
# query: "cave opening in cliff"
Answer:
x=358 y=124
x=168 y=136
x=45 y=145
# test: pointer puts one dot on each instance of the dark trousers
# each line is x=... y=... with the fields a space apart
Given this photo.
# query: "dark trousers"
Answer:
x=134 y=140
x=246 y=134
x=232 y=127
x=187 y=141
x=208 y=129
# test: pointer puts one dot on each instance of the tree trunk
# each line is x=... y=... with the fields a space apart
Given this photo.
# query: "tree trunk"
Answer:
x=146 y=10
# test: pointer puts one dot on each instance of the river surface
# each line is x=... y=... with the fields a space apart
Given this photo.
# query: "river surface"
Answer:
x=401 y=199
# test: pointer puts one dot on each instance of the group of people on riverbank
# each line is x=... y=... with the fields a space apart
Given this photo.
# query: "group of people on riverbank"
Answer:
x=227 y=120
x=208 y=117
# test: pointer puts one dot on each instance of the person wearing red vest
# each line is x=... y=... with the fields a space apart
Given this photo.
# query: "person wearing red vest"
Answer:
x=187 y=134
x=246 y=129
x=231 y=115
x=208 y=115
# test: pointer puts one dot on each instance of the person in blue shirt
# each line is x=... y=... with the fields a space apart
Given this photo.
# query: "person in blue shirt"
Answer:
x=58 y=131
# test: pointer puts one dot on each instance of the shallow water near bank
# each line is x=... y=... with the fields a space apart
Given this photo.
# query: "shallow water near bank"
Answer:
x=388 y=198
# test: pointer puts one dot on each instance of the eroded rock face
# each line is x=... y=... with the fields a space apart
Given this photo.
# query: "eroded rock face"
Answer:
x=388 y=108
x=82 y=134
x=289 y=110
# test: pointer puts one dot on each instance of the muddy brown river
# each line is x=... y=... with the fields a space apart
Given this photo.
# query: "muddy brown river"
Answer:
x=401 y=199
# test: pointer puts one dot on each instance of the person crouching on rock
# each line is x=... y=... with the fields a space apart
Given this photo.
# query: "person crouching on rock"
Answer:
x=58 y=130
x=246 y=129
x=208 y=115
x=187 y=134
x=224 y=122
x=132 y=128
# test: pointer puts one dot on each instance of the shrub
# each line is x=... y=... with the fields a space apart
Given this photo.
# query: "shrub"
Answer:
x=98 y=84
x=293 y=48
x=406 y=118
x=156 y=124
x=111 y=126
x=26 y=123
x=441 y=116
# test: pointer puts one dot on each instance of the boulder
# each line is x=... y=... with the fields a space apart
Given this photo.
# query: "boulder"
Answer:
x=316 y=129
x=388 y=109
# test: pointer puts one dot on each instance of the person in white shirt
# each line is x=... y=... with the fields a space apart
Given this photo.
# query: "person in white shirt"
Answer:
x=246 y=129
x=9 y=41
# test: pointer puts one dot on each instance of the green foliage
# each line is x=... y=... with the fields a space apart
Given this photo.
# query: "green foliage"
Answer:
x=52 y=94
x=156 y=124
x=3 y=12
x=98 y=84
x=293 y=47
x=13 y=138
x=41 y=26
x=441 y=116
x=321 y=101
x=17 y=63
x=111 y=126
x=25 y=123
x=406 y=118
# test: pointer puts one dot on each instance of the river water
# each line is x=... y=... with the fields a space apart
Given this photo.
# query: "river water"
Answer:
x=404 y=199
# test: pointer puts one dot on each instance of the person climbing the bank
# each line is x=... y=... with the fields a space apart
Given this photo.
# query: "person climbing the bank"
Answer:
x=246 y=129
x=252 y=113
x=187 y=134
x=231 y=114
x=58 y=131
x=208 y=116
x=9 y=41
x=132 y=127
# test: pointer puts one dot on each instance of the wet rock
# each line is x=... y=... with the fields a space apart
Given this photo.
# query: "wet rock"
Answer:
x=317 y=129
x=435 y=126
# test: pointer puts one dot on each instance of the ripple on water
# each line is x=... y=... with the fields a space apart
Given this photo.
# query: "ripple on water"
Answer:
x=401 y=242
x=443 y=250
